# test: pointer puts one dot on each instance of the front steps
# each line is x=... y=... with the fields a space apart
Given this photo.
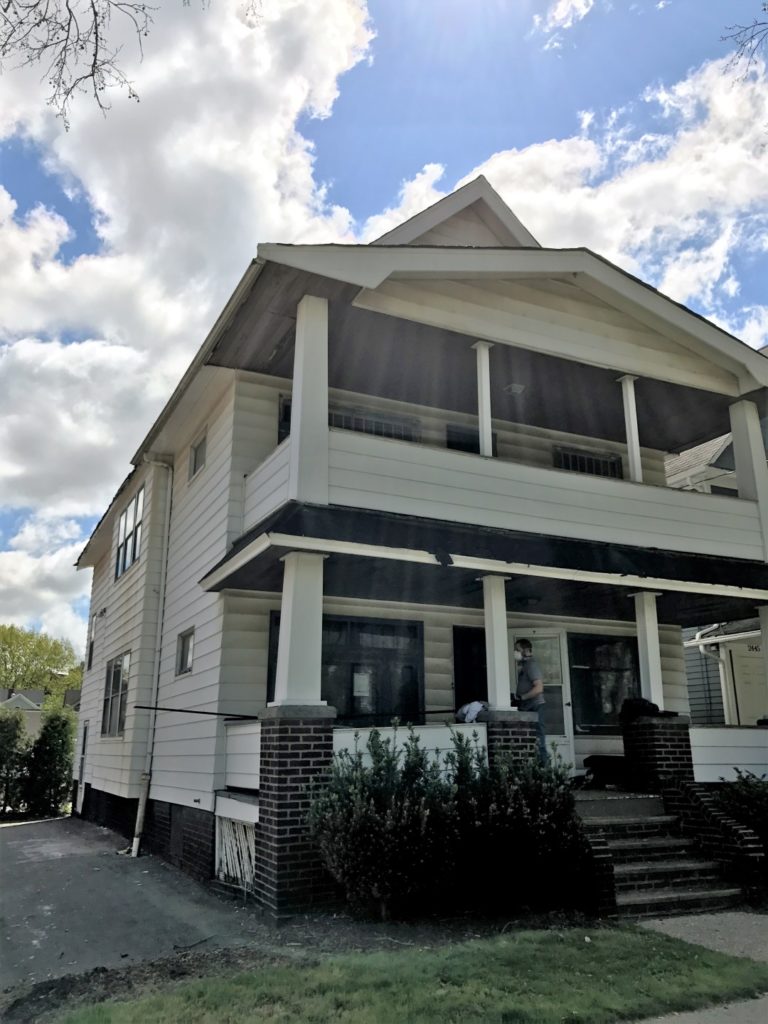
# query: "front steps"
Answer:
x=657 y=871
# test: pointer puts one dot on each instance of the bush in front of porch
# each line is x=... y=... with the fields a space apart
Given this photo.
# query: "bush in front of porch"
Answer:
x=746 y=800
x=404 y=833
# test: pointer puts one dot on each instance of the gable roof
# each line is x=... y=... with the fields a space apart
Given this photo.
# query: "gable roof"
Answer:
x=475 y=211
x=20 y=702
x=694 y=460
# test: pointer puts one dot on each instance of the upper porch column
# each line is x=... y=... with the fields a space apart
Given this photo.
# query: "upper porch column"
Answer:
x=633 y=433
x=484 y=396
x=749 y=456
x=308 y=473
x=649 y=648
x=300 y=641
x=496 y=642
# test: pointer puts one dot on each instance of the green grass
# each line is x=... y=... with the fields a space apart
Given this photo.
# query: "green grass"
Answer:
x=592 y=976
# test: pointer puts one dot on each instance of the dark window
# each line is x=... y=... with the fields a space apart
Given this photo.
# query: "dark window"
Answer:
x=185 y=644
x=90 y=655
x=580 y=460
x=129 y=534
x=372 y=670
x=604 y=672
x=363 y=421
x=91 y=642
x=466 y=439
x=730 y=492
x=115 y=694
x=197 y=456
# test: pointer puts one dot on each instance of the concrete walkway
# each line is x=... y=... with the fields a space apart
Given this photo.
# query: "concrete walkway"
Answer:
x=736 y=932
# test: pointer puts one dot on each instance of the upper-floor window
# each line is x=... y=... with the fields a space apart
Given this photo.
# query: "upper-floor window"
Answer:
x=91 y=642
x=197 y=456
x=115 y=695
x=185 y=645
x=129 y=534
x=582 y=460
x=466 y=439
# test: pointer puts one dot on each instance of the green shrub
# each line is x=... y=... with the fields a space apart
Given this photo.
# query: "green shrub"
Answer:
x=383 y=829
x=405 y=834
x=746 y=800
x=48 y=774
x=13 y=746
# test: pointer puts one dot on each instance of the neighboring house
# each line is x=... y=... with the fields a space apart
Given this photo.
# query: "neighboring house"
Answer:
x=31 y=710
x=385 y=463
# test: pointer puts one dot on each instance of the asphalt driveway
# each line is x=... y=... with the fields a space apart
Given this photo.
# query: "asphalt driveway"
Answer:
x=69 y=903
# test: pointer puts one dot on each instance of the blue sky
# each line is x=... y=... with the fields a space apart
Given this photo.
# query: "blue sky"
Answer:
x=614 y=124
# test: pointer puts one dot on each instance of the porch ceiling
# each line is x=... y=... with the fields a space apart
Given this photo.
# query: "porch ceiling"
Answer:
x=429 y=366
x=387 y=579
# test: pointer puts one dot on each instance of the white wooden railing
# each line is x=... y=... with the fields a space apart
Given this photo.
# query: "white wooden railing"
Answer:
x=266 y=488
x=412 y=479
x=243 y=754
x=718 y=750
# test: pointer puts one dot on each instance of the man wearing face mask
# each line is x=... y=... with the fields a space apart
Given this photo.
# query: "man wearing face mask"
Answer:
x=530 y=691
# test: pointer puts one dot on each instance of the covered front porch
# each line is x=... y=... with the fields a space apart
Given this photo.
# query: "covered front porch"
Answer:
x=424 y=620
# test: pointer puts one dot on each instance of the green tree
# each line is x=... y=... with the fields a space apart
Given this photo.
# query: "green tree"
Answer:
x=48 y=775
x=36 y=661
x=13 y=747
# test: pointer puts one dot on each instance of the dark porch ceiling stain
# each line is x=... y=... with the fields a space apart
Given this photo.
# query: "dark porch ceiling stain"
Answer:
x=414 y=363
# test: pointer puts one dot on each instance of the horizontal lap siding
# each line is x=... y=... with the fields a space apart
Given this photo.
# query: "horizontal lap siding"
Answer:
x=266 y=488
x=718 y=751
x=129 y=623
x=256 y=413
x=414 y=480
x=189 y=755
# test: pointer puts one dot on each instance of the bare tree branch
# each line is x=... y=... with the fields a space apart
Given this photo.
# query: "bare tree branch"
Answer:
x=69 y=39
x=749 y=40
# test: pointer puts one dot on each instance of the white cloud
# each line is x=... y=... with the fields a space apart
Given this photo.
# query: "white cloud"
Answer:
x=414 y=196
x=563 y=14
x=183 y=185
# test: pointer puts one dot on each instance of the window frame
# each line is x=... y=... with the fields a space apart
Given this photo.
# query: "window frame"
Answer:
x=201 y=441
x=129 y=539
x=113 y=725
x=181 y=639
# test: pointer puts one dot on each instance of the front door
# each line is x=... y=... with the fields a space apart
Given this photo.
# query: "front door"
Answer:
x=550 y=652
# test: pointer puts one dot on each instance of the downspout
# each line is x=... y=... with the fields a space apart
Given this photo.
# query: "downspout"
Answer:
x=721 y=663
x=146 y=777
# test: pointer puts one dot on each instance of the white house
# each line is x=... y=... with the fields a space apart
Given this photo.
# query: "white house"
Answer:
x=385 y=463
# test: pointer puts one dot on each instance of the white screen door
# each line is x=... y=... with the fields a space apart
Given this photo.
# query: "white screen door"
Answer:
x=550 y=652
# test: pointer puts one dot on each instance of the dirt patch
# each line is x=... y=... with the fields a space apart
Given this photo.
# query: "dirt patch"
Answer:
x=303 y=940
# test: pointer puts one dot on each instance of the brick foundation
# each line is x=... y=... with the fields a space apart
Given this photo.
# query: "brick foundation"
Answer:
x=114 y=812
x=296 y=747
x=184 y=836
x=657 y=750
x=512 y=734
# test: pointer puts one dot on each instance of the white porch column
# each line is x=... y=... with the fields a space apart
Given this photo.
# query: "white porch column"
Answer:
x=649 y=648
x=630 y=423
x=749 y=456
x=308 y=473
x=496 y=642
x=484 y=396
x=762 y=611
x=299 y=648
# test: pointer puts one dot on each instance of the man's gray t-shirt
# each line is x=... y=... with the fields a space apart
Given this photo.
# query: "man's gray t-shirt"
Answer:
x=527 y=675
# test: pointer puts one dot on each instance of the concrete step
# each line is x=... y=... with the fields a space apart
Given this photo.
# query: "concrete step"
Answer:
x=688 y=900
x=639 y=849
x=666 y=874
x=646 y=826
x=600 y=804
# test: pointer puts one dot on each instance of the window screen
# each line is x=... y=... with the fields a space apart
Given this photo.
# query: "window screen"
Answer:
x=579 y=460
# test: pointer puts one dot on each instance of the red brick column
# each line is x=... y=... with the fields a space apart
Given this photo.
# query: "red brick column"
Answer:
x=296 y=747
x=658 y=750
x=512 y=733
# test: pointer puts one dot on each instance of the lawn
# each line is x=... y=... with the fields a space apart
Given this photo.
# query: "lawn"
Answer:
x=593 y=976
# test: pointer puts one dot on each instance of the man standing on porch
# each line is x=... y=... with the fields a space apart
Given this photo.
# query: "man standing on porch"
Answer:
x=530 y=690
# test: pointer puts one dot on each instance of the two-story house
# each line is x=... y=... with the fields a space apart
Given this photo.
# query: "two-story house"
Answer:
x=386 y=463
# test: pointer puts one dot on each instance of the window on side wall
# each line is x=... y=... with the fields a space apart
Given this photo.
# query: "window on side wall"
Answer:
x=197 y=456
x=129 y=534
x=581 y=460
x=91 y=642
x=115 y=696
x=185 y=645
